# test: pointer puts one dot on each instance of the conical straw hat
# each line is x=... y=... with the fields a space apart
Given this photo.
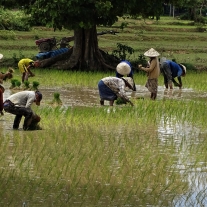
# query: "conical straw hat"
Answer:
x=123 y=68
x=151 y=53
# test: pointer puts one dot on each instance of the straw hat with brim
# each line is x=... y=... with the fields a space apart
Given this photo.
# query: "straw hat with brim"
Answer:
x=151 y=53
x=129 y=81
x=123 y=68
x=1 y=56
x=183 y=68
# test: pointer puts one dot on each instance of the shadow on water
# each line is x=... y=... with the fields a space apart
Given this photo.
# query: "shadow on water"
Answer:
x=170 y=130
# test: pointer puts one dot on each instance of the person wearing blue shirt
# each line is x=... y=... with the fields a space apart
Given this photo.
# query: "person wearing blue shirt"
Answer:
x=170 y=71
x=125 y=68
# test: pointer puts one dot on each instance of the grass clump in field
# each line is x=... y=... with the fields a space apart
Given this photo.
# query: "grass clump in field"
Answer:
x=56 y=99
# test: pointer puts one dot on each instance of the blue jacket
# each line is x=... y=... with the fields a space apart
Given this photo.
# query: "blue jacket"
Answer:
x=175 y=68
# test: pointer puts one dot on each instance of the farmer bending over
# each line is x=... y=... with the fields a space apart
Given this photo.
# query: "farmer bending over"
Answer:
x=110 y=88
x=124 y=68
x=170 y=71
x=19 y=104
x=24 y=66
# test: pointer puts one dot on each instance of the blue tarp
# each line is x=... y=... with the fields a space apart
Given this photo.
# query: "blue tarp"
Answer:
x=52 y=53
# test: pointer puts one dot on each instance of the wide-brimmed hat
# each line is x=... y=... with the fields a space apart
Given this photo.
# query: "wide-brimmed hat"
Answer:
x=123 y=68
x=151 y=53
x=129 y=81
x=1 y=56
x=183 y=68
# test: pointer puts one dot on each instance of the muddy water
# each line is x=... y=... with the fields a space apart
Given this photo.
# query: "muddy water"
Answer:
x=79 y=96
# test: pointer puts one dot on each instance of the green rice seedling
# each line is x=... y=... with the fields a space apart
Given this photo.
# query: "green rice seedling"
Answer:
x=13 y=83
x=26 y=84
x=17 y=84
x=98 y=156
x=56 y=99
x=35 y=85
x=120 y=101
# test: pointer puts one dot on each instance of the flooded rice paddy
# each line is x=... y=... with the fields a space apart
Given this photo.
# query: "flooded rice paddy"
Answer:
x=182 y=135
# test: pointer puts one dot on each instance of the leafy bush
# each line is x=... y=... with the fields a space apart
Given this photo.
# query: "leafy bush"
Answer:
x=16 y=58
x=123 y=51
x=13 y=20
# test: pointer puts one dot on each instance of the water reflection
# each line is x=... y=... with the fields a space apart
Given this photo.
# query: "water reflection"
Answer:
x=169 y=130
x=183 y=136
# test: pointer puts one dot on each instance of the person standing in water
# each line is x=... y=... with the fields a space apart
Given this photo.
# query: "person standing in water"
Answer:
x=153 y=72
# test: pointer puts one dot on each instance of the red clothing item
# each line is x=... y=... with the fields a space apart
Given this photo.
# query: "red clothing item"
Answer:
x=1 y=99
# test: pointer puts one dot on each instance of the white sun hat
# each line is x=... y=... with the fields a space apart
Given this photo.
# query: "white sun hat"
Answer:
x=123 y=68
x=183 y=68
x=1 y=56
x=151 y=53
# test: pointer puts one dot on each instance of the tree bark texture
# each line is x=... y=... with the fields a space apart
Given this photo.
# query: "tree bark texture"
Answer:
x=84 y=55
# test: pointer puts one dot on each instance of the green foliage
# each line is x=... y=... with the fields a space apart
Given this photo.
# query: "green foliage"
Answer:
x=189 y=66
x=123 y=25
x=123 y=52
x=56 y=99
x=141 y=60
x=200 y=27
x=17 y=83
x=80 y=14
x=13 y=20
x=120 y=101
x=26 y=84
x=16 y=58
x=35 y=85
x=8 y=35
x=13 y=83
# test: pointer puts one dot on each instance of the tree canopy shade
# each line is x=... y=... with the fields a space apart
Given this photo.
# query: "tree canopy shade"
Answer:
x=83 y=16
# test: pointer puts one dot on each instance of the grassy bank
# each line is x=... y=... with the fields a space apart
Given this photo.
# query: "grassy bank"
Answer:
x=173 y=38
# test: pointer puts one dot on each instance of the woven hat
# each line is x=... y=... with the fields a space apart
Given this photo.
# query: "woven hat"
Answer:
x=183 y=68
x=1 y=56
x=151 y=53
x=130 y=81
x=123 y=68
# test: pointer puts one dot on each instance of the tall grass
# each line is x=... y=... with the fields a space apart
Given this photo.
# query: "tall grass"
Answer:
x=88 y=157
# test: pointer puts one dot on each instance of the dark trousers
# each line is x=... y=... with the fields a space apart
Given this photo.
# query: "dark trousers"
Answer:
x=19 y=112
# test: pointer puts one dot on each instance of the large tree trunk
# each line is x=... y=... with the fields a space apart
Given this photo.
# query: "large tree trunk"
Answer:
x=85 y=54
